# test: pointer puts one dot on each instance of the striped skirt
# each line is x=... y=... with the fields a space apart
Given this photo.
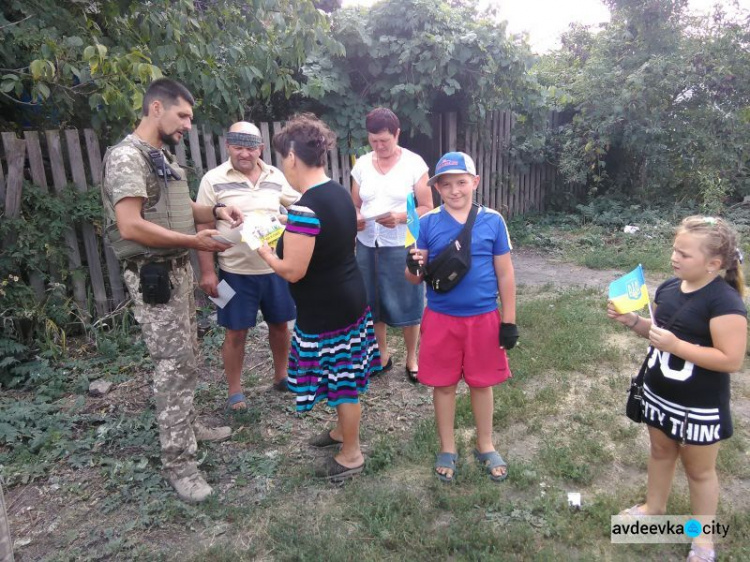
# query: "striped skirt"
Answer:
x=333 y=365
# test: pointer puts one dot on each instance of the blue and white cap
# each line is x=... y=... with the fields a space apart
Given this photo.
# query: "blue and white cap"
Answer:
x=453 y=163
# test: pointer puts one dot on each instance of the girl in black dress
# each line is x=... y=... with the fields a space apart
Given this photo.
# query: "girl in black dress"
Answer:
x=686 y=385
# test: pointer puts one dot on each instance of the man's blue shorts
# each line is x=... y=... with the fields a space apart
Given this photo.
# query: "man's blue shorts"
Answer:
x=268 y=293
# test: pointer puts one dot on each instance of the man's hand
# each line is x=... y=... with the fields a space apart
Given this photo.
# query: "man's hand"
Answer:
x=209 y=283
x=231 y=214
x=508 y=335
x=204 y=241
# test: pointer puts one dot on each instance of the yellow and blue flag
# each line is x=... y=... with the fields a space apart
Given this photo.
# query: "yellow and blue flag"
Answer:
x=412 y=221
x=629 y=293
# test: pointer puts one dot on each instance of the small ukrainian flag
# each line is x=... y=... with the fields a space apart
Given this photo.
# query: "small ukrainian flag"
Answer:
x=629 y=293
x=412 y=221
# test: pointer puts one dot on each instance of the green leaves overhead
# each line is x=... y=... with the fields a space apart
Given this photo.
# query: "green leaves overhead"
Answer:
x=89 y=61
x=656 y=103
x=417 y=57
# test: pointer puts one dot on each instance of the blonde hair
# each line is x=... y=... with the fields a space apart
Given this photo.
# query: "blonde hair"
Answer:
x=719 y=241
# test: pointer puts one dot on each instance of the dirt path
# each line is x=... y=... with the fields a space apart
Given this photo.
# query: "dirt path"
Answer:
x=535 y=269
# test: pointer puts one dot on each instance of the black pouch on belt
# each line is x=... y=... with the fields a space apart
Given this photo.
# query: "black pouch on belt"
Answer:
x=155 y=285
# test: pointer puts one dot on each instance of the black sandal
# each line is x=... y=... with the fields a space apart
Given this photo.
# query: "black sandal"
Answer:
x=384 y=369
x=412 y=375
x=337 y=472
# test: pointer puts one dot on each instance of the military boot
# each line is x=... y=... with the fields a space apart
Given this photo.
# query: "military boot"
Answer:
x=192 y=489
x=214 y=434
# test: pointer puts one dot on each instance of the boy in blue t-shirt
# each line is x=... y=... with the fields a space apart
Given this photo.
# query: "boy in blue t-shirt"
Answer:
x=461 y=328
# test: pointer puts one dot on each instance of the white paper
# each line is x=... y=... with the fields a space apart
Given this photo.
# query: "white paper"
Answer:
x=259 y=228
x=231 y=236
x=574 y=499
x=376 y=217
x=225 y=294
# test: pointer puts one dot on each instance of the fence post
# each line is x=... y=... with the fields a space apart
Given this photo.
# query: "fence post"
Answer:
x=451 y=131
x=266 y=134
x=208 y=143
x=36 y=163
x=276 y=128
x=90 y=240
x=113 y=265
x=57 y=164
x=195 y=152
x=15 y=153
x=223 y=149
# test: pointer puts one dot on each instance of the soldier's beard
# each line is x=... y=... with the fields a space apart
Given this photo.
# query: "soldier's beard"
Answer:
x=169 y=140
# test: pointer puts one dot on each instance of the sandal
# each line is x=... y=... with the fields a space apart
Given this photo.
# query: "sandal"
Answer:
x=384 y=369
x=446 y=460
x=336 y=472
x=235 y=400
x=282 y=385
x=491 y=460
x=412 y=375
x=323 y=441
x=701 y=553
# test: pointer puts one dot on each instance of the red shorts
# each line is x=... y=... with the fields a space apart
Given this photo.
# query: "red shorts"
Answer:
x=454 y=346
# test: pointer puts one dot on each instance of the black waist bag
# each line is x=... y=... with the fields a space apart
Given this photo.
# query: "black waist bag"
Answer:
x=453 y=263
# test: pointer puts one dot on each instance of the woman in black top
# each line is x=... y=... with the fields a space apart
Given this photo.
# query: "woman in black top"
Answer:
x=686 y=386
x=334 y=349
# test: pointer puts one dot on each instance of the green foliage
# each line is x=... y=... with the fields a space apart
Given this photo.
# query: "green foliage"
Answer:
x=88 y=61
x=417 y=57
x=655 y=104
x=33 y=329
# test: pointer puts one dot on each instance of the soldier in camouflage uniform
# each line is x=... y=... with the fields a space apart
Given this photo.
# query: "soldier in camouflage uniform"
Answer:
x=150 y=224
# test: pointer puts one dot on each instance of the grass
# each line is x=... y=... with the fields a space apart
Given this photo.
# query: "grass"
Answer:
x=559 y=422
x=598 y=247
x=399 y=512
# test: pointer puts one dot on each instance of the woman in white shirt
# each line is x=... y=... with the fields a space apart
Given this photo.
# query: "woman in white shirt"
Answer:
x=383 y=179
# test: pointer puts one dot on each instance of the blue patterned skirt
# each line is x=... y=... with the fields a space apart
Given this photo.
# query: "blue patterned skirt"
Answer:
x=333 y=365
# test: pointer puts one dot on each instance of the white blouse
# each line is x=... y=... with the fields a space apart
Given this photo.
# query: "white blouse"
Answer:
x=383 y=193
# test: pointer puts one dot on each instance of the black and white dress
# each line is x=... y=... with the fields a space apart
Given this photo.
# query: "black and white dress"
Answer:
x=688 y=403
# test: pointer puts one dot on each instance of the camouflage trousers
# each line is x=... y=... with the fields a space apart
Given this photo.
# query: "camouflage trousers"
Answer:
x=170 y=332
x=6 y=543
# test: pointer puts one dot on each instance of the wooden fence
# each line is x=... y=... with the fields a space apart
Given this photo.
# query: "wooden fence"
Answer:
x=502 y=186
x=75 y=157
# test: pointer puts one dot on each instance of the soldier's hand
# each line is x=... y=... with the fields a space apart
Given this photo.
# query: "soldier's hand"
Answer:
x=205 y=242
x=231 y=214
x=209 y=283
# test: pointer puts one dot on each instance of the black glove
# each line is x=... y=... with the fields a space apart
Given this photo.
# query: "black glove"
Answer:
x=508 y=335
x=412 y=264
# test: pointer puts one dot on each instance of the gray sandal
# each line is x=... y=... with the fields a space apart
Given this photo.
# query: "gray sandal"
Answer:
x=446 y=460
x=491 y=460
